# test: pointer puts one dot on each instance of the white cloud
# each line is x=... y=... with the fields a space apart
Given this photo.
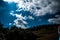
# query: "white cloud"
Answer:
x=20 y=20
x=57 y=15
x=54 y=20
x=10 y=1
x=46 y=6
x=36 y=7
x=12 y=13
x=30 y=17
x=10 y=23
x=20 y=23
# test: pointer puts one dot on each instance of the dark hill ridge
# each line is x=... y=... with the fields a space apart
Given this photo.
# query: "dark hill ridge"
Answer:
x=44 y=27
x=45 y=32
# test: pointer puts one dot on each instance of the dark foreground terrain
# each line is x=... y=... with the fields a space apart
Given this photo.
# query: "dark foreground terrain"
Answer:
x=46 y=32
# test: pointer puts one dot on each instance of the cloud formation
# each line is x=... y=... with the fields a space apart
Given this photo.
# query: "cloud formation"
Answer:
x=20 y=20
x=36 y=7
x=55 y=20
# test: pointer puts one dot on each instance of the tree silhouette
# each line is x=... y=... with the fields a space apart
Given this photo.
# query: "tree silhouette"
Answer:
x=45 y=32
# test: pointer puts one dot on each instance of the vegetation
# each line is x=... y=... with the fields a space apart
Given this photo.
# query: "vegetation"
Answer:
x=46 y=32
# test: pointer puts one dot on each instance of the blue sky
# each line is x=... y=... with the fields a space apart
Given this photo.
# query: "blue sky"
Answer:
x=25 y=16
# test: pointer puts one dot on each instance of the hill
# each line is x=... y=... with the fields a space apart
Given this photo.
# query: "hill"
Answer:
x=45 y=32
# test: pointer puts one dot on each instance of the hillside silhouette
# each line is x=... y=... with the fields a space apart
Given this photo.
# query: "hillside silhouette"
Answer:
x=45 y=32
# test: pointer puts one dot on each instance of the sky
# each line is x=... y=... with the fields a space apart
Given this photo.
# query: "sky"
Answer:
x=29 y=13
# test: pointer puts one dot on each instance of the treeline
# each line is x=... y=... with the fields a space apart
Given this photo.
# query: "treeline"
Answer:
x=45 y=32
x=15 y=34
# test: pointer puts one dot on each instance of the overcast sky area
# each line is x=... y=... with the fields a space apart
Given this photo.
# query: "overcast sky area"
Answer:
x=28 y=13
